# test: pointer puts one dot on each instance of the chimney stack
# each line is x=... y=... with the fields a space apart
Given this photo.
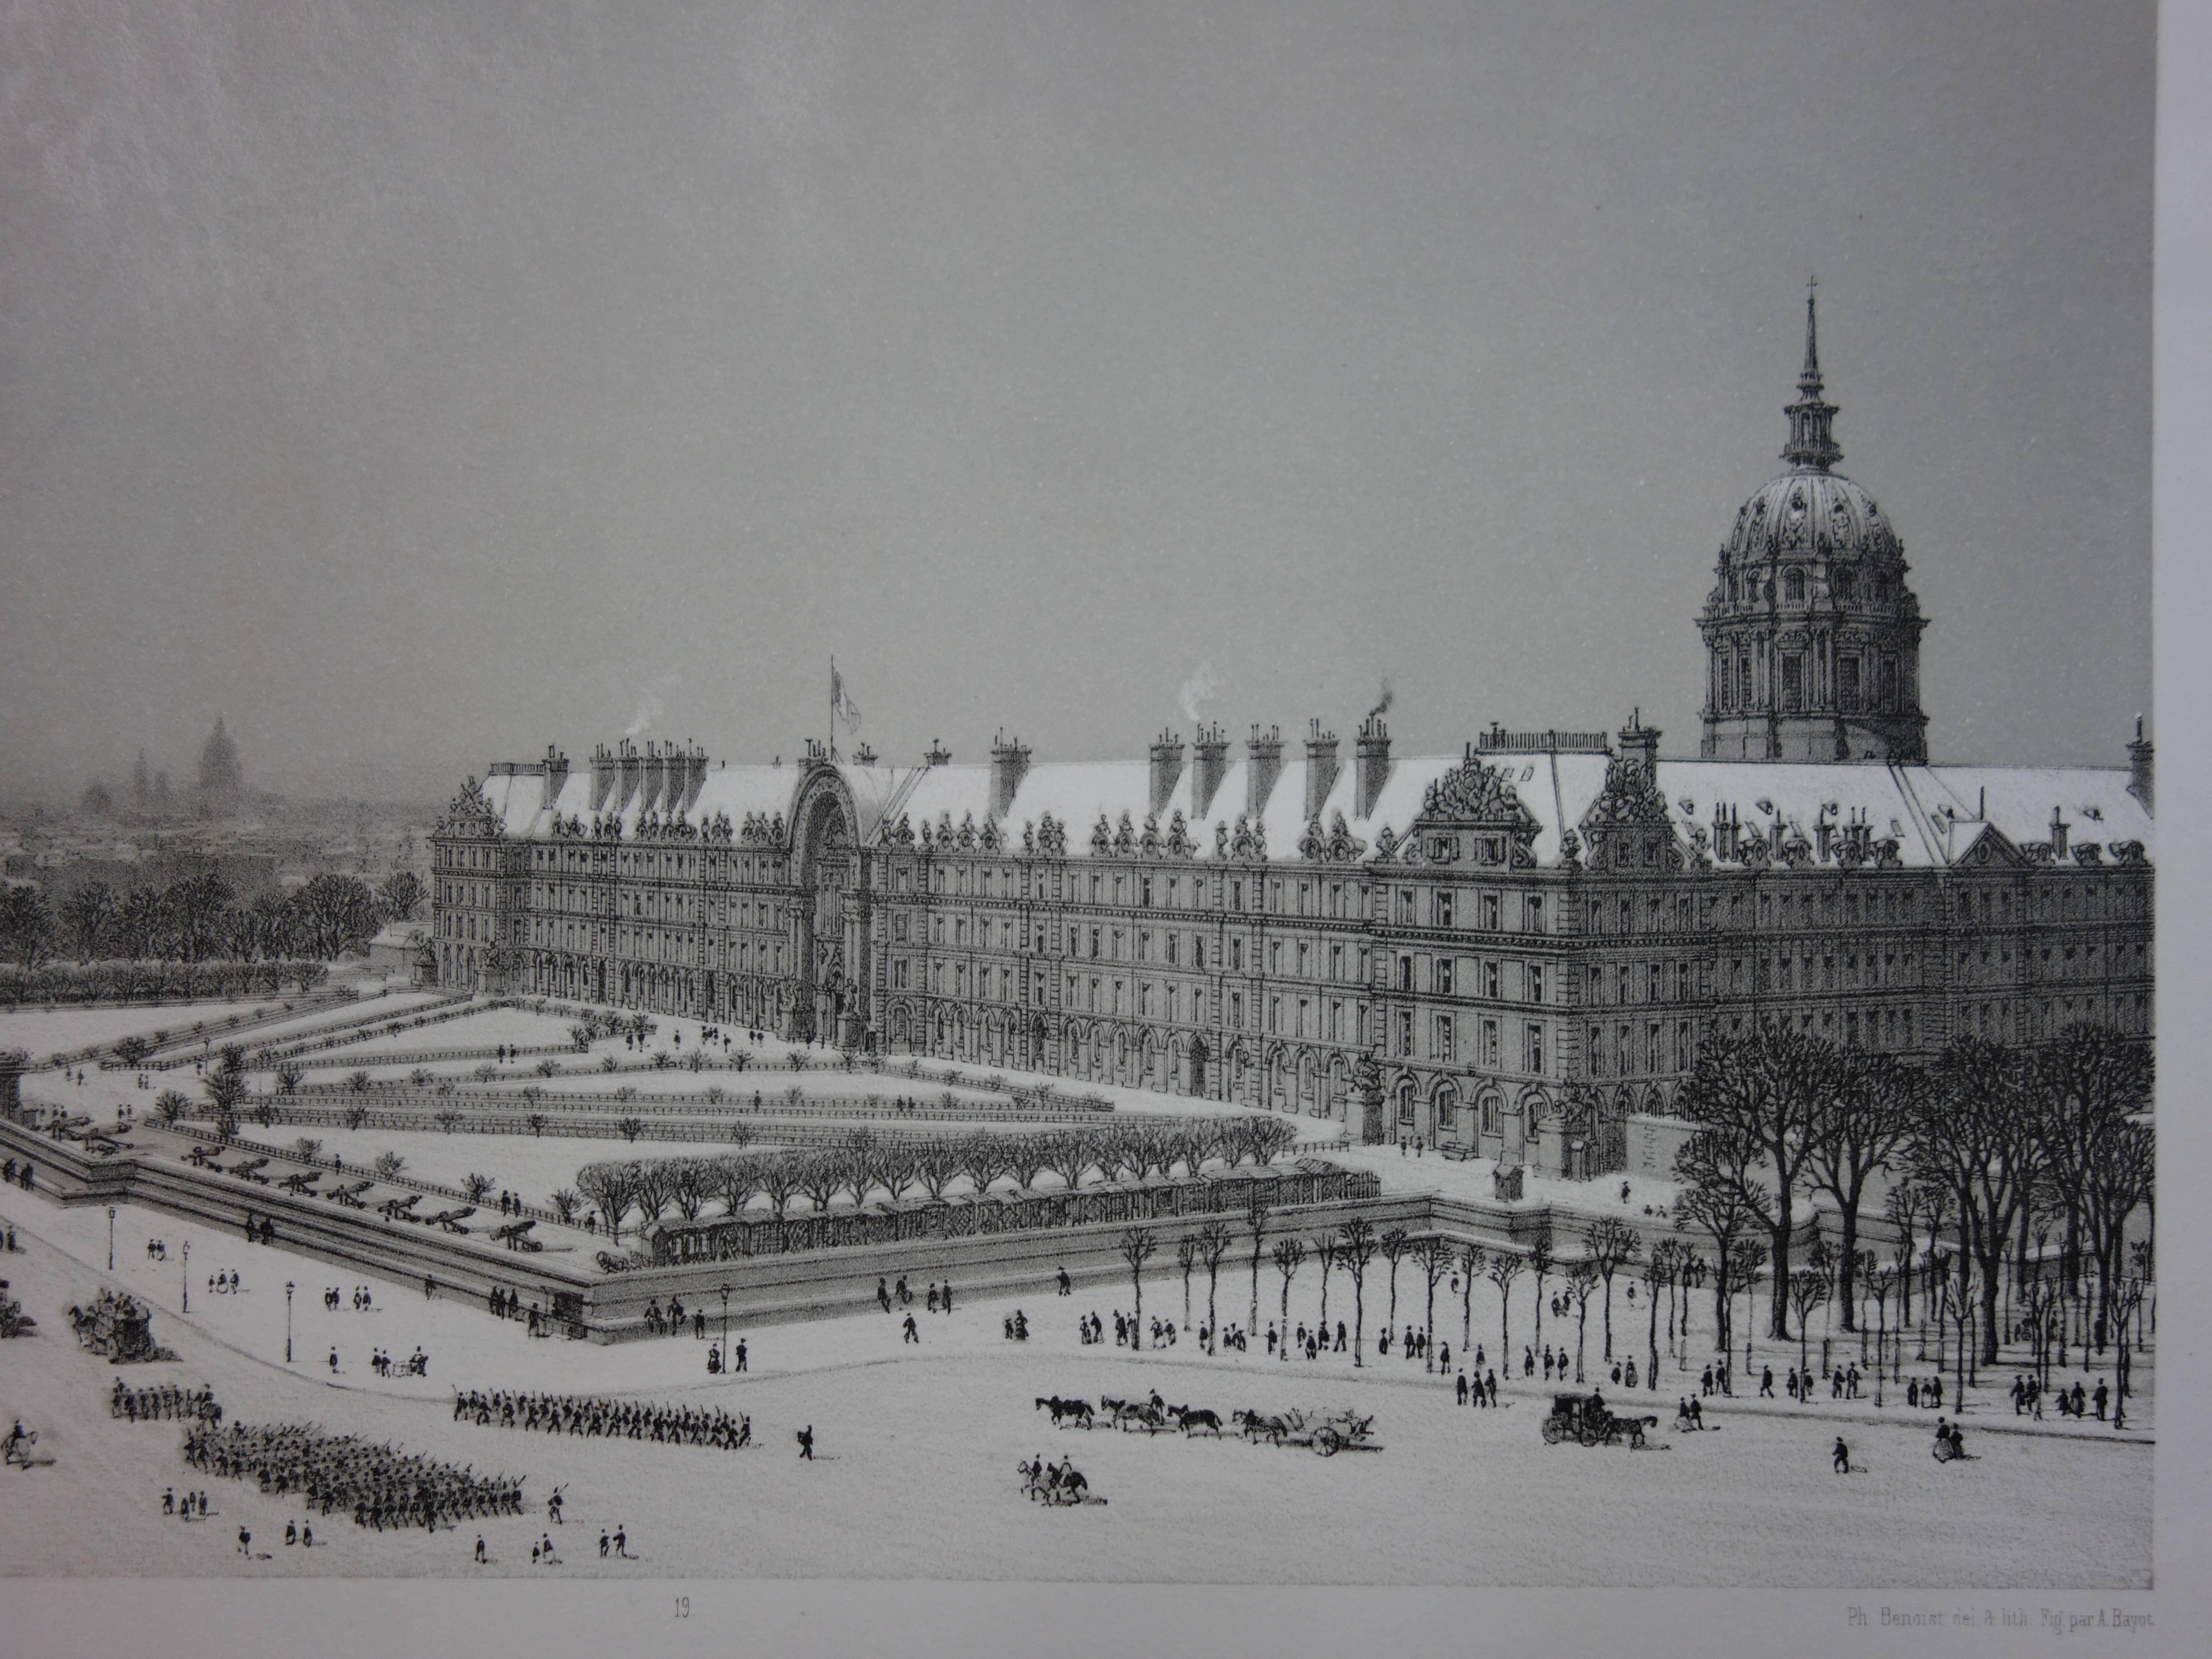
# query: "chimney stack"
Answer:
x=1371 y=762
x=1321 y=770
x=1010 y=760
x=1265 y=755
x=2058 y=829
x=2139 y=767
x=937 y=755
x=1167 y=769
x=1640 y=743
x=1213 y=766
x=557 y=776
x=603 y=777
x=653 y=784
x=631 y=770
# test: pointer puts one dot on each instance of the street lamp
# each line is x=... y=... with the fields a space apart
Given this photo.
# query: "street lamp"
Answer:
x=725 y=1330
x=287 y=1321
x=111 y=1238
x=188 y=1276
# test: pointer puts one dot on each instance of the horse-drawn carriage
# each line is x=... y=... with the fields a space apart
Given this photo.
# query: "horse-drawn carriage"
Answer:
x=1583 y=1419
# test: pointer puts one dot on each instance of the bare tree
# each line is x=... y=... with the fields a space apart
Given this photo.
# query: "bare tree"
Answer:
x=1582 y=1284
x=1659 y=1269
x=1186 y=1259
x=1469 y=1266
x=1857 y=1130
x=1504 y=1267
x=1255 y=1216
x=1289 y=1255
x=1137 y=1245
x=1613 y=1245
x=1396 y=1244
x=1324 y=1252
x=1213 y=1241
x=1766 y=1090
x=1433 y=1254
x=1809 y=1288
x=1540 y=1260
x=1356 y=1248
x=1975 y=1134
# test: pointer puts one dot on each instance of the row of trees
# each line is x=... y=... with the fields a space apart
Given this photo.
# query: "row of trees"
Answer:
x=865 y=1166
x=2004 y=1165
x=131 y=982
x=198 y=919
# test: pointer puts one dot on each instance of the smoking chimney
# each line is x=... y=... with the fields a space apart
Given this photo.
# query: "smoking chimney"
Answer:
x=1321 y=770
x=1167 y=770
x=1213 y=766
x=1371 y=762
x=2139 y=767
x=1010 y=760
x=1265 y=756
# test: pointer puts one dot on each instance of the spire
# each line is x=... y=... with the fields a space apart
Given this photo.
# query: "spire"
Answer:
x=1812 y=443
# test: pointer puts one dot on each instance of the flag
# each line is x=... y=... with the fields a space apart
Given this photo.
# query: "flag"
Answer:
x=841 y=705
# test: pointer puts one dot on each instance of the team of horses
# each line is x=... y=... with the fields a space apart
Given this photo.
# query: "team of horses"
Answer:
x=1151 y=1416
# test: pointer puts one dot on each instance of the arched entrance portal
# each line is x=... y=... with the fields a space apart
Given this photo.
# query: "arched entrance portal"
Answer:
x=831 y=1000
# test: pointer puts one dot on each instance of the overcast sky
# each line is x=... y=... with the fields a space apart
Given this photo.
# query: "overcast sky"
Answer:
x=414 y=385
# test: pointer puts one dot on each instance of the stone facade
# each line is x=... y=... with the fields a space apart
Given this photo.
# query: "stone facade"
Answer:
x=1505 y=952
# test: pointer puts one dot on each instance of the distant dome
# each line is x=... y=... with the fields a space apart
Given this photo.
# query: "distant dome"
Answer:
x=220 y=776
x=1809 y=512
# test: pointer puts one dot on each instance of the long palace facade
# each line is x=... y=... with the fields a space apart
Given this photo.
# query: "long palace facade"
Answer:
x=1508 y=950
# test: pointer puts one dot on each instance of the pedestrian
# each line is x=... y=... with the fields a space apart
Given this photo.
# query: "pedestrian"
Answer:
x=244 y=1542
x=741 y=1354
x=1766 y=1383
x=806 y=1442
x=480 y=1549
x=2103 y=1397
x=621 y=1542
x=602 y=1543
x=1461 y=1388
x=911 y=1334
x=1843 y=1456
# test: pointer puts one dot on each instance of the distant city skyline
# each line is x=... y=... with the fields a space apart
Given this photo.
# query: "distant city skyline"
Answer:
x=414 y=391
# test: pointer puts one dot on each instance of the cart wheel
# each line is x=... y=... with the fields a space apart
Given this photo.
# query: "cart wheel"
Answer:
x=1328 y=1443
x=1550 y=1432
x=1589 y=1436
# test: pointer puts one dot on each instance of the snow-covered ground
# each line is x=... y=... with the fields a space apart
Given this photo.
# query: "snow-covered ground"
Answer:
x=917 y=1442
x=41 y=1032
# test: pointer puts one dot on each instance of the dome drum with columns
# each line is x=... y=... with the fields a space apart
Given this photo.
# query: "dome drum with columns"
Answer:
x=1812 y=634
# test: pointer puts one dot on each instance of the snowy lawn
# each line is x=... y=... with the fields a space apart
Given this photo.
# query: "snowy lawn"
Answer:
x=41 y=1032
x=916 y=1446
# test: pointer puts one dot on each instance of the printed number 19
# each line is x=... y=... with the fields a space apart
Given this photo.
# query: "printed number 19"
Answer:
x=682 y=1607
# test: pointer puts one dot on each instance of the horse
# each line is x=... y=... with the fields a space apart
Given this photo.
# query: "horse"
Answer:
x=1633 y=1427
x=1257 y=1427
x=1064 y=1411
x=1193 y=1419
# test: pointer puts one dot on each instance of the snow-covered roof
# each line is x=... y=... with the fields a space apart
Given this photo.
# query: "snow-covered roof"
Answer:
x=1933 y=814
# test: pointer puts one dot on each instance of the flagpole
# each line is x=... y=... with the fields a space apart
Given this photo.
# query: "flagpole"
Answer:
x=833 y=706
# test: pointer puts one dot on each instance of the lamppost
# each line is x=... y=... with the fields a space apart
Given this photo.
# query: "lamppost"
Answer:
x=188 y=1276
x=111 y=1238
x=725 y=1330
x=287 y=1321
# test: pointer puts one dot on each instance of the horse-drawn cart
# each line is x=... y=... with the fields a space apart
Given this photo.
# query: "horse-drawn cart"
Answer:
x=1344 y=1432
x=1583 y=1419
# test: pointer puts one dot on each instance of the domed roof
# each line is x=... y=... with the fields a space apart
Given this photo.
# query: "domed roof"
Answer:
x=1809 y=512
